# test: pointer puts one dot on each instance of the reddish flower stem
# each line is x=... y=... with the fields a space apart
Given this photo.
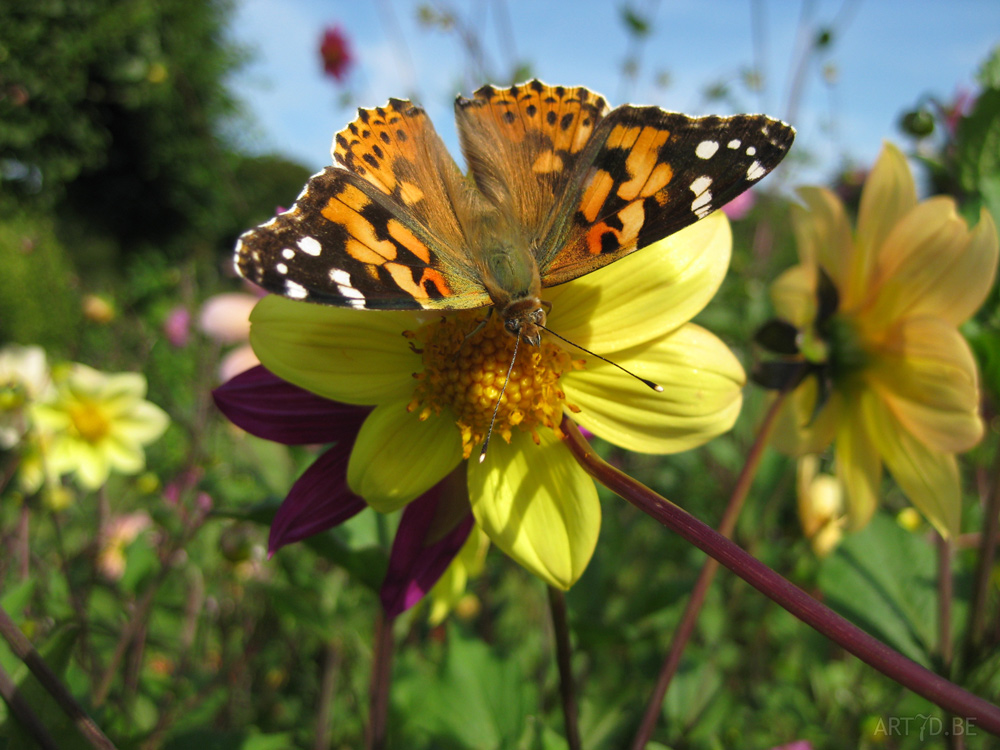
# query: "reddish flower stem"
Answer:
x=567 y=689
x=693 y=608
x=378 y=711
x=873 y=652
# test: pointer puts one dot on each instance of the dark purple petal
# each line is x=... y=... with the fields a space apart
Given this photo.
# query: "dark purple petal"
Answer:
x=318 y=501
x=267 y=406
x=414 y=565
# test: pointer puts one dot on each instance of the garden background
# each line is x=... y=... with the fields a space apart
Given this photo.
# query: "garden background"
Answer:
x=139 y=138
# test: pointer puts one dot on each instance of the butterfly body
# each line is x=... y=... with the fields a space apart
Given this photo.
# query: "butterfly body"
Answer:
x=559 y=185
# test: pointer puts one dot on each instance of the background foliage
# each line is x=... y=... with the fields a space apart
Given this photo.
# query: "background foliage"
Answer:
x=120 y=179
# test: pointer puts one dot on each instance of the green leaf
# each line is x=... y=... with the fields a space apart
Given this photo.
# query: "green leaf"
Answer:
x=883 y=579
x=978 y=151
x=56 y=652
x=634 y=23
x=492 y=692
x=206 y=739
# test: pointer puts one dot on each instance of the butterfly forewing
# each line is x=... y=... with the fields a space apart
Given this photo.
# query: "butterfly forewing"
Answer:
x=382 y=231
x=648 y=173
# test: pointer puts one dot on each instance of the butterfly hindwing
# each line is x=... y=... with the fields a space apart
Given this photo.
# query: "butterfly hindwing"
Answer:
x=648 y=173
x=522 y=142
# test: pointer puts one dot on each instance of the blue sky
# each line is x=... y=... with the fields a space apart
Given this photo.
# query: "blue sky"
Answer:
x=886 y=55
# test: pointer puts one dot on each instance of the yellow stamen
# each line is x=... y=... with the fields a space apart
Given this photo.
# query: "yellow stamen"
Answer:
x=89 y=421
x=465 y=376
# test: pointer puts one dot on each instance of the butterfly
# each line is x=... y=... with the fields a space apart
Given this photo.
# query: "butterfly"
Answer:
x=558 y=185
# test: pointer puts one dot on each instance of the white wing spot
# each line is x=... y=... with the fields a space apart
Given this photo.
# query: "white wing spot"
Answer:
x=281 y=268
x=751 y=151
x=340 y=277
x=756 y=171
x=734 y=144
x=310 y=246
x=706 y=149
x=702 y=203
x=295 y=291
x=288 y=253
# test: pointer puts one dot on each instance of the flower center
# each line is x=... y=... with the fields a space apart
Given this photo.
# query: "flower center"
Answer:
x=467 y=375
x=89 y=421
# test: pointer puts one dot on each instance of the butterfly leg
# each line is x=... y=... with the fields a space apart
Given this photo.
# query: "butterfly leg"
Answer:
x=479 y=326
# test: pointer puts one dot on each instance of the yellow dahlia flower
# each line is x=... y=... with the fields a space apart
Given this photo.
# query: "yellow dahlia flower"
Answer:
x=97 y=423
x=434 y=395
x=897 y=383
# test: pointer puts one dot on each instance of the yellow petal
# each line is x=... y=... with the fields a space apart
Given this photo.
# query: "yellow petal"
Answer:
x=823 y=234
x=931 y=264
x=143 y=423
x=701 y=398
x=397 y=457
x=793 y=295
x=889 y=193
x=354 y=356
x=647 y=294
x=926 y=374
x=537 y=505
x=859 y=467
x=123 y=456
x=91 y=467
x=928 y=478
x=798 y=428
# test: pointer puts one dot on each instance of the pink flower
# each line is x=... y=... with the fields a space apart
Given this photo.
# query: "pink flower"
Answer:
x=740 y=206
x=177 y=327
x=433 y=528
x=226 y=318
x=335 y=52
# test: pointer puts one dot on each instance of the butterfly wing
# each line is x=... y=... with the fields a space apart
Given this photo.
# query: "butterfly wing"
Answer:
x=381 y=230
x=521 y=144
x=647 y=173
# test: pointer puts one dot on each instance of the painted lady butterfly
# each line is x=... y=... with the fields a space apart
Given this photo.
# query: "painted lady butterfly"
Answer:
x=558 y=186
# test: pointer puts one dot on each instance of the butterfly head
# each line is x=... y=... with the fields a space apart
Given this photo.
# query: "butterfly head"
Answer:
x=524 y=318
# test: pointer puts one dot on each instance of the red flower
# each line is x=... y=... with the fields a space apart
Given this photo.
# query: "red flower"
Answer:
x=336 y=55
x=433 y=527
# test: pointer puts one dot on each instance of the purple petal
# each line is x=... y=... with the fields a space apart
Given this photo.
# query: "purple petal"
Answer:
x=414 y=565
x=267 y=406
x=318 y=501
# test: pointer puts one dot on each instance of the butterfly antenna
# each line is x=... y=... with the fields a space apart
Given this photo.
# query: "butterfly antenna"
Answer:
x=650 y=383
x=489 y=432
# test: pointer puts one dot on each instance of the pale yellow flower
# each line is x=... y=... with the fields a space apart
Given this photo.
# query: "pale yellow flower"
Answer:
x=905 y=389
x=434 y=395
x=24 y=378
x=821 y=506
x=97 y=423
x=449 y=593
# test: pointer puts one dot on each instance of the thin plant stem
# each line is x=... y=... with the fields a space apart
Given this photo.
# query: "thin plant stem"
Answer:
x=567 y=688
x=944 y=596
x=984 y=567
x=378 y=713
x=873 y=652
x=27 y=717
x=711 y=566
x=24 y=651
x=945 y=592
x=23 y=545
x=328 y=688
